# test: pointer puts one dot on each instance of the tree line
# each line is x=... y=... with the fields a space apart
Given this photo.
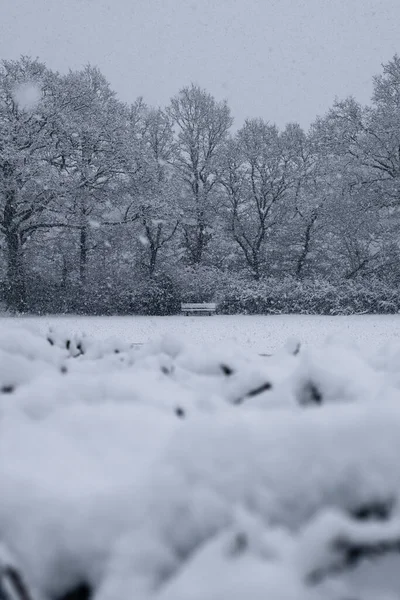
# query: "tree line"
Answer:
x=109 y=207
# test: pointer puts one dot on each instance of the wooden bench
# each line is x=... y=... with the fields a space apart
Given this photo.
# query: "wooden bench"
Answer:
x=203 y=308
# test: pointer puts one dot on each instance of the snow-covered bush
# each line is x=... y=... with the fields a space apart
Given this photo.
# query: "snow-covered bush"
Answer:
x=162 y=294
x=175 y=472
x=157 y=295
x=289 y=295
x=200 y=283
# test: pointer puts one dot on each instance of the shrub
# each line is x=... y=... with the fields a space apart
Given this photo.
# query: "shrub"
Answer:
x=289 y=295
x=156 y=296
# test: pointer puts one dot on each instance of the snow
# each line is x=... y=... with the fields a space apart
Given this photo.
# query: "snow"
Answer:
x=191 y=468
x=260 y=333
x=27 y=95
x=143 y=240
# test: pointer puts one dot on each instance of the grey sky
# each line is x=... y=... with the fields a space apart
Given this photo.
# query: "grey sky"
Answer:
x=283 y=60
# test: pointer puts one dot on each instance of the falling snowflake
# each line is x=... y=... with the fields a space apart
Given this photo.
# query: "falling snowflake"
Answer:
x=27 y=95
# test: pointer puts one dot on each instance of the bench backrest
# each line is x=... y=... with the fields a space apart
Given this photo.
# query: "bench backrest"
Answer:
x=198 y=306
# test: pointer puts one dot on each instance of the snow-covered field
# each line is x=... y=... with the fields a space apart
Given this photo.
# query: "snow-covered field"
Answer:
x=191 y=468
x=263 y=334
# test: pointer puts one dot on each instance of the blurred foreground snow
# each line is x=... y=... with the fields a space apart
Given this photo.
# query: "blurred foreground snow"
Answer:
x=186 y=472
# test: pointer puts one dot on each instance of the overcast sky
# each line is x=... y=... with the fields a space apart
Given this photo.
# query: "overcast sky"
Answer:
x=283 y=60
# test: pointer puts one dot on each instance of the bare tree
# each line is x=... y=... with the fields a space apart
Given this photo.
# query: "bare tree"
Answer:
x=158 y=205
x=28 y=184
x=260 y=175
x=202 y=126
x=94 y=159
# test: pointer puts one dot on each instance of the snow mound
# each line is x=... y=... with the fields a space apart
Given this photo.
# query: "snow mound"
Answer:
x=177 y=472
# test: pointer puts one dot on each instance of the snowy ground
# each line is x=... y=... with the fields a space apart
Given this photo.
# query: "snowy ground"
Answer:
x=195 y=469
x=263 y=334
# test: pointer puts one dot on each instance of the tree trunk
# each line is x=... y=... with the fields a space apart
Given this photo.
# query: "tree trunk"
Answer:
x=64 y=275
x=153 y=259
x=306 y=247
x=304 y=253
x=82 y=256
x=15 y=286
x=199 y=245
x=256 y=265
x=83 y=252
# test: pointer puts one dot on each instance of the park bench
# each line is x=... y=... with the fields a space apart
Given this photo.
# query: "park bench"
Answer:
x=203 y=308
